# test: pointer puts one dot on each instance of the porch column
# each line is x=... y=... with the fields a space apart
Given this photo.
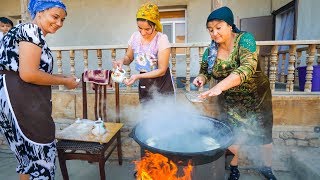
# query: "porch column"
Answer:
x=25 y=16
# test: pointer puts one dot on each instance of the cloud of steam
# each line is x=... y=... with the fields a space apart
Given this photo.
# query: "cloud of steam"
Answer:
x=175 y=125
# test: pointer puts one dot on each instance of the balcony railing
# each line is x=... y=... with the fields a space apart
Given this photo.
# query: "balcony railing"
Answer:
x=279 y=60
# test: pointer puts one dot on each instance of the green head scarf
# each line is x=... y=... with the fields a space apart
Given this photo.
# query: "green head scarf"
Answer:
x=225 y=14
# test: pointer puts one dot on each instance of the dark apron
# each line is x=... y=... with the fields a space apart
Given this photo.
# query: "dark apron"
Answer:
x=162 y=85
x=32 y=107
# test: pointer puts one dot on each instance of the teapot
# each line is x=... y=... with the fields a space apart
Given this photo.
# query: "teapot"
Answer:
x=118 y=75
x=98 y=128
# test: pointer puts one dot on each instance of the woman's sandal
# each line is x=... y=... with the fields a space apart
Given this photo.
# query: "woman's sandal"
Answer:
x=267 y=173
x=235 y=173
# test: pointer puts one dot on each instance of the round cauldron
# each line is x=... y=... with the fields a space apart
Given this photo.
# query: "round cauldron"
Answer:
x=205 y=141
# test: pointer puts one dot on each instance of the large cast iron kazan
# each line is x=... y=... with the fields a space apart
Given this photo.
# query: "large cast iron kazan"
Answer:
x=204 y=142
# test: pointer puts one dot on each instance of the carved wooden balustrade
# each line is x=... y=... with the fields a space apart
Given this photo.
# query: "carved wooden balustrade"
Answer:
x=79 y=58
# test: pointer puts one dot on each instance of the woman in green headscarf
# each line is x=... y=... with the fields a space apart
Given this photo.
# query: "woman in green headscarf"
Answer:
x=150 y=49
x=243 y=90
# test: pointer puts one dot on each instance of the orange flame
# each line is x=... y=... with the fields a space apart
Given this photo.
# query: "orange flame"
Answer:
x=158 y=167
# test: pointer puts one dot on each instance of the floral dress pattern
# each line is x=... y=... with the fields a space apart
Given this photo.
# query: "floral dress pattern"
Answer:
x=247 y=107
x=35 y=159
x=146 y=60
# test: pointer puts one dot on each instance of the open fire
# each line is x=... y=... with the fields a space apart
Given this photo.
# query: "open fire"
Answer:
x=155 y=166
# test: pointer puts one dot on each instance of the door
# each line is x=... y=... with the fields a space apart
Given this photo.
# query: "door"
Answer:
x=263 y=30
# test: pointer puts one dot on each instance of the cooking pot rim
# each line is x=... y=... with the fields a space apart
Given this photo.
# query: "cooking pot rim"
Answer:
x=209 y=152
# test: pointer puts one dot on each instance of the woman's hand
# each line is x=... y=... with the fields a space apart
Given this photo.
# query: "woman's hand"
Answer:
x=199 y=81
x=117 y=64
x=215 y=91
x=71 y=82
x=131 y=80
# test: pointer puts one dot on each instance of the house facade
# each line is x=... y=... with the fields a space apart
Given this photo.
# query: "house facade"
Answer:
x=104 y=25
x=110 y=22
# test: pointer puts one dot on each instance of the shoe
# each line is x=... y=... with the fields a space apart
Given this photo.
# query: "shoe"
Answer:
x=234 y=174
x=267 y=173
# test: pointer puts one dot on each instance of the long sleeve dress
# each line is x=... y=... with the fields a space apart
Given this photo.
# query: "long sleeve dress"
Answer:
x=247 y=107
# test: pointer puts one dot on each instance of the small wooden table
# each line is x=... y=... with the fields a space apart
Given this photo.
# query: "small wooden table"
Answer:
x=81 y=131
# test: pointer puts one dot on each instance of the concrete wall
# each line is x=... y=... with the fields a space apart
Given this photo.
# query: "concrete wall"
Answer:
x=249 y=8
x=95 y=26
x=308 y=18
x=276 y=4
x=11 y=8
x=99 y=22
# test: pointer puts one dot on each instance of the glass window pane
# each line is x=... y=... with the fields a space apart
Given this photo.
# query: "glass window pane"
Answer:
x=167 y=29
x=180 y=36
x=180 y=33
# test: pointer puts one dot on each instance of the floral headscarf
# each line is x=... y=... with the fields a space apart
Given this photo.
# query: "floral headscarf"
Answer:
x=150 y=12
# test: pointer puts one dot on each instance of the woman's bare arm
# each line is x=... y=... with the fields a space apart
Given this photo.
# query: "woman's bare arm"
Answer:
x=29 y=61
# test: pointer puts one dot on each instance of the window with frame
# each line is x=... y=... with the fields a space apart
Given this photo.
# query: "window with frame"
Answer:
x=174 y=26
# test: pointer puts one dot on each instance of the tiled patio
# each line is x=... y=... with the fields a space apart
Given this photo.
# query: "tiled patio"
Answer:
x=81 y=170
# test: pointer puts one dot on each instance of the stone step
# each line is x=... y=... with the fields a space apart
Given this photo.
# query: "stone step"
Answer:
x=305 y=163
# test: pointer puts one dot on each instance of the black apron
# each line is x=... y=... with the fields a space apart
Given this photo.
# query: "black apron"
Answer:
x=162 y=85
x=32 y=107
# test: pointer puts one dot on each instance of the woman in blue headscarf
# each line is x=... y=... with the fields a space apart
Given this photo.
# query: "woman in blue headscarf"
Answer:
x=26 y=77
x=243 y=90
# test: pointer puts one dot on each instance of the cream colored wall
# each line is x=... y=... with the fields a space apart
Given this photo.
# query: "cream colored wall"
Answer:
x=118 y=28
x=249 y=8
x=308 y=20
x=99 y=22
x=197 y=14
x=276 y=4
x=11 y=8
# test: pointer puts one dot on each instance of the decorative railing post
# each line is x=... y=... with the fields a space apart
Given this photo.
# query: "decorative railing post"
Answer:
x=292 y=60
x=310 y=59
x=99 y=56
x=282 y=73
x=273 y=66
x=59 y=64
x=201 y=50
x=318 y=55
x=296 y=79
x=188 y=69
x=258 y=50
x=296 y=50
x=128 y=74
x=85 y=59
x=72 y=63
x=266 y=64
x=113 y=54
x=174 y=63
